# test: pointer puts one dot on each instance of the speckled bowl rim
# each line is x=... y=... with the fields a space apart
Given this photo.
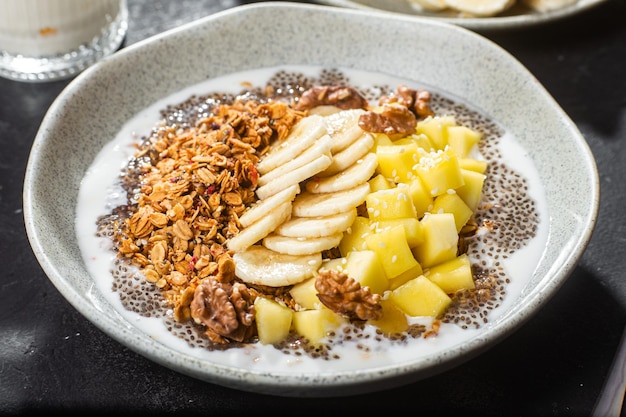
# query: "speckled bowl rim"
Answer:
x=503 y=22
x=94 y=106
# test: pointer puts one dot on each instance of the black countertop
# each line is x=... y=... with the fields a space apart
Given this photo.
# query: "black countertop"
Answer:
x=53 y=359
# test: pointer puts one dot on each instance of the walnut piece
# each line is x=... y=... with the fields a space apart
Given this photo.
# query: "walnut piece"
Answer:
x=401 y=111
x=394 y=121
x=344 y=98
x=417 y=101
x=346 y=297
x=227 y=310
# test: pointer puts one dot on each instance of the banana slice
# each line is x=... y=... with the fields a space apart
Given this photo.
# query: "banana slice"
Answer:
x=344 y=128
x=326 y=204
x=354 y=175
x=547 y=5
x=308 y=227
x=301 y=246
x=430 y=5
x=263 y=207
x=349 y=155
x=261 y=266
x=261 y=228
x=320 y=147
x=296 y=176
x=302 y=136
x=480 y=7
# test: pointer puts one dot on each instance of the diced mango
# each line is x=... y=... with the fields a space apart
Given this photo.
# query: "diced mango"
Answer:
x=394 y=203
x=452 y=203
x=452 y=275
x=305 y=294
x=366 y=267
x=393 y=250
x=379 y=182
x=462 y=139
x=354 y=237
x=471 y=190
x=435 y=128
x=412 y=228
x=380 y=139
x=420 y=297
x=273 y=320
x=440 y=239
x=422 y=200
x=477 y=165
x=405 y=276
x=440 y=172
x=396 y=161
x=393 y=321
x=314 y=325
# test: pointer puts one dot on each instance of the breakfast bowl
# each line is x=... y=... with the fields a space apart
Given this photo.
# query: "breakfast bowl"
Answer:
x=537 y=212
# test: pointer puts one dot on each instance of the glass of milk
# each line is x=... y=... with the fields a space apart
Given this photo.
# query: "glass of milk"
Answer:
x=44 y=40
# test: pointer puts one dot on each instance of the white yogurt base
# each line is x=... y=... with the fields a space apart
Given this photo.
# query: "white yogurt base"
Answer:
x=103 y=173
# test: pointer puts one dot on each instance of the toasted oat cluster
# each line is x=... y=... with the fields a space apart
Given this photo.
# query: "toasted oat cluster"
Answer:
x=194 y=185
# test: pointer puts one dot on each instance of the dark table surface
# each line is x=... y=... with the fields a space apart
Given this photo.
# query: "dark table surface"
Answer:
x=53 y=359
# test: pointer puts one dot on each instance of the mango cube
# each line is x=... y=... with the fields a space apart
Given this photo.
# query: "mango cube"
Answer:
x=412 y=228
x=305 y=294
x=396 y=161
x=273 y=320
x=440 y=172
x=354 y=237
x=394 y=203
x=367 y=269
x=471 y=190
x=462 y=139
x=379 y=182
x=406 y=276
x=452 y=203
x=393 y=321
x=440 y=239
x=420 y=297
x=393 y=250
x=452 y=275
x=435 y=128
x=422 y=200
x=314 y=325
x=477 y=165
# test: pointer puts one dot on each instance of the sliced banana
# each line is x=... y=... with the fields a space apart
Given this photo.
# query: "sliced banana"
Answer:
x=259 y=229
x=320 y=147
x=430 y=5
x=296 y=176
x=308 y=227
x=349 y=155
x=302 y=136
x=344 y=128
x=309 y=204
x=480 y=7
x=301 y=246
x=358 y=173
x=261 y=266
x=547 y=5
x=263 y=207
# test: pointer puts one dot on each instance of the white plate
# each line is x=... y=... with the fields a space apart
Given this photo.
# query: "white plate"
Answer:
x=517 y=16
x=94 y=107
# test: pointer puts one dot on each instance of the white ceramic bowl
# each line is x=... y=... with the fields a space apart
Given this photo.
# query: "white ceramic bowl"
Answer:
x=94 y=107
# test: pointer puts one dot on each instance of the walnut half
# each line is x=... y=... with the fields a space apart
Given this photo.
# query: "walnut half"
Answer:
x=227 y=310
x=344 y=98
x=345 y=296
